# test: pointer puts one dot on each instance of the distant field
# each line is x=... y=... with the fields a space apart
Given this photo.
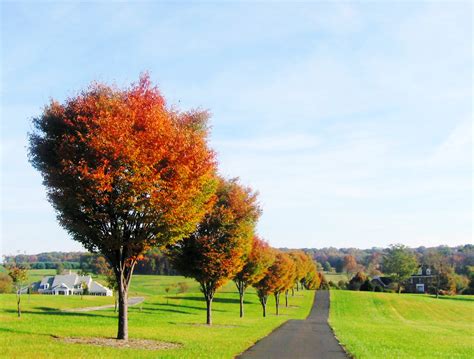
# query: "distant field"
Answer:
x=386 y=325
x=335 y=277
x=178 y=319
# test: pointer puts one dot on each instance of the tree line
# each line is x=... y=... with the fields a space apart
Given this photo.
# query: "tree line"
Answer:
x=336 y=260
x=352 y=260
x=399 y=263
x=127 y=173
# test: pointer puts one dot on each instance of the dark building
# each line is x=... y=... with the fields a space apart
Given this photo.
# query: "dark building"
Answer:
x=421 y=282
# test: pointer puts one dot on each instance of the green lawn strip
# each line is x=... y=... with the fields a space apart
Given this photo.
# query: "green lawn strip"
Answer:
x=375 y=325
x=173 y=317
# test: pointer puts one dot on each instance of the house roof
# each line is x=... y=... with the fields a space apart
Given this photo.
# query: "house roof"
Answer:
x=71 y=280
x=47 y=280
x=97 y=287
x=383 y=280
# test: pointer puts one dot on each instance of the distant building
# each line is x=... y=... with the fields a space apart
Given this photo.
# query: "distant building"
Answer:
x=380 y=283
x=70 y=284
x=420 y=282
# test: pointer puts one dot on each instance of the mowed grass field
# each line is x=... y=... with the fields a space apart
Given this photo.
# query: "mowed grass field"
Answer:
x=390 y=325
x=173 y=317
x=336 y=277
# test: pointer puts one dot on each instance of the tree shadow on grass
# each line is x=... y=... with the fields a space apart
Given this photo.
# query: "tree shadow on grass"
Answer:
x=162 y=305
x=169 y=310
x=215 y=300
x=207 y=325
x=464 y=299
x=53 y=311
x=18 y=331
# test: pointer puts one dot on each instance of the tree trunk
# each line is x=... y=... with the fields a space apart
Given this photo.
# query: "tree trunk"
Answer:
x=277 y=303
x=116 y=303
x=123 y=313
x=293 y=291
x=124 y=276
x=209 y=310
x=286 y=298
x=18 y=303
x=437 y=286
x=263 y=301
x=241 y=288
x=208 y=290
x=297 y=286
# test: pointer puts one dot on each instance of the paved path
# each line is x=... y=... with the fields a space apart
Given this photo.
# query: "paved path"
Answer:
x=131 y=301
x=298 y=339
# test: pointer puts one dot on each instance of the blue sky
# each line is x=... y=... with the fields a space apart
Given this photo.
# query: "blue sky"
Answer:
x=353 y=121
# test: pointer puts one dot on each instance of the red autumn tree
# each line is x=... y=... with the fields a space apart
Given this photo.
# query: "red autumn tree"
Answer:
x=256 y=264
x=350 y=264
x=216 y=251
x=124 y=173
x=276 y=280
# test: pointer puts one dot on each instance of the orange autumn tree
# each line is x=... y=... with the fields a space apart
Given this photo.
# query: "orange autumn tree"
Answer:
x=301 y=262
x=284 y=272
x=313 y=278
x=350 y=264
x=256 y=264
x=124 y=173
x=264 y=286
x=309 y=265
x=216 y=251
x=276 y=280
x=292 y=277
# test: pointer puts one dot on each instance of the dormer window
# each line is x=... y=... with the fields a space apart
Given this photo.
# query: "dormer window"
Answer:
x=428 y=271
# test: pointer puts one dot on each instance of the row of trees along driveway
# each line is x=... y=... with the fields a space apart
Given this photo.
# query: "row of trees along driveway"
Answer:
x=126 y=173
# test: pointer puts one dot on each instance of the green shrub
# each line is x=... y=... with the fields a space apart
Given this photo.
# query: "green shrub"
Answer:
x=367 y=286
x=342 y=284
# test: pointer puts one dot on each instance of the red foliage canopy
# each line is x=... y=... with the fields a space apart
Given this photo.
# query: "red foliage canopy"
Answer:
x=278 y=276
x=217 y=250
x=123 y=170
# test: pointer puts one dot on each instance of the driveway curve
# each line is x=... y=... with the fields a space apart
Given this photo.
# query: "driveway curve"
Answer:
x=310 y=338
x=131 y=301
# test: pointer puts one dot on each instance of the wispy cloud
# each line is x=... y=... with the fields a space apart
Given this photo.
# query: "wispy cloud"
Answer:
x=353 y=121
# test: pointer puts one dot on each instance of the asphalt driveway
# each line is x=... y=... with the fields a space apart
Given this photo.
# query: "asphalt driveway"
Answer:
x=310 y=338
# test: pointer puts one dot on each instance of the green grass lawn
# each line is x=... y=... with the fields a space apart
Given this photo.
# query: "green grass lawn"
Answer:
x=386 y=325
x=178 y=319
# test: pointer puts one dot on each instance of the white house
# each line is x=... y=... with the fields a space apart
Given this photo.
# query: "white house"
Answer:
x=70 y=284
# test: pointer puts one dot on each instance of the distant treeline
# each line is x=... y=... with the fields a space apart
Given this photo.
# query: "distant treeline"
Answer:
x=154 y=262
x=341 y=260
x=330 y=259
